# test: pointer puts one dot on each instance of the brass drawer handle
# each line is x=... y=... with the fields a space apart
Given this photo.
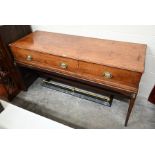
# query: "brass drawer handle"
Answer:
x=107 y=75
x=29 y=58
x=63 y=65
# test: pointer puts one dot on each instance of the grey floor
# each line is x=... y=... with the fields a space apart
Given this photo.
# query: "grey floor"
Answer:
x=81 y=113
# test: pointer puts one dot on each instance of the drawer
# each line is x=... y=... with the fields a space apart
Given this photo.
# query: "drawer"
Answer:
x=105 y=74
x=44 y=60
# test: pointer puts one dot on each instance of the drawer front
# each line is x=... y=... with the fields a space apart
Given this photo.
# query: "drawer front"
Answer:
x=46 y=61
x=105 y=73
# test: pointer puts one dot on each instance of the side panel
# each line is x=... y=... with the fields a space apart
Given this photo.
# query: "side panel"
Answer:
x=8 y=85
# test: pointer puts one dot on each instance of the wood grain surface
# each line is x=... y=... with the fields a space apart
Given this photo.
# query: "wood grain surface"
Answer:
x=118 y=75
x=123 y=55
x=122 y=79
x=47 y=61
x=87 y=59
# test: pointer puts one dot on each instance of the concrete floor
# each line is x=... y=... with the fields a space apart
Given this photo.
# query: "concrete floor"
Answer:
x=81 y=113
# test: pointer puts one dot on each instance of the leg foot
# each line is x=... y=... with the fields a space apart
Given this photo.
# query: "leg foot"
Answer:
x=131 y=104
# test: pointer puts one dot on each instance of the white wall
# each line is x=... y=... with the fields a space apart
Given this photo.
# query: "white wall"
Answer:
x=138 y=34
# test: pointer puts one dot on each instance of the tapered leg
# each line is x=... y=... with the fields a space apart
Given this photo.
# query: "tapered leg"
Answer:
x=131 y=104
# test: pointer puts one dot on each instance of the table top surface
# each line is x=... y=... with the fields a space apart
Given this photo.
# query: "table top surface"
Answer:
x=124 y=55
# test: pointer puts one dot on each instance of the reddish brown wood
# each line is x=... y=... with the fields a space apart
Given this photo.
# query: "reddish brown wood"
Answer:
x=44 y=60
x=122 y=79
x=119 y=76
x=86 y=59
x=124 y=60
x=117 y=54
x=95 y=83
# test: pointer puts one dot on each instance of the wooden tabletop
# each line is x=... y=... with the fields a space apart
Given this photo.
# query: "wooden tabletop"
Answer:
x=124 y=55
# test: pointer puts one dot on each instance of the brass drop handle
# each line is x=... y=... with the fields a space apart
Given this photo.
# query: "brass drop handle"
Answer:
x=29 y=58
x=107 y=75
x=63 y=65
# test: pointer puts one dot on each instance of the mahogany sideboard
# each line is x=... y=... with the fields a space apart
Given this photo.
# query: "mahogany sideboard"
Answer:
x=113 y=66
